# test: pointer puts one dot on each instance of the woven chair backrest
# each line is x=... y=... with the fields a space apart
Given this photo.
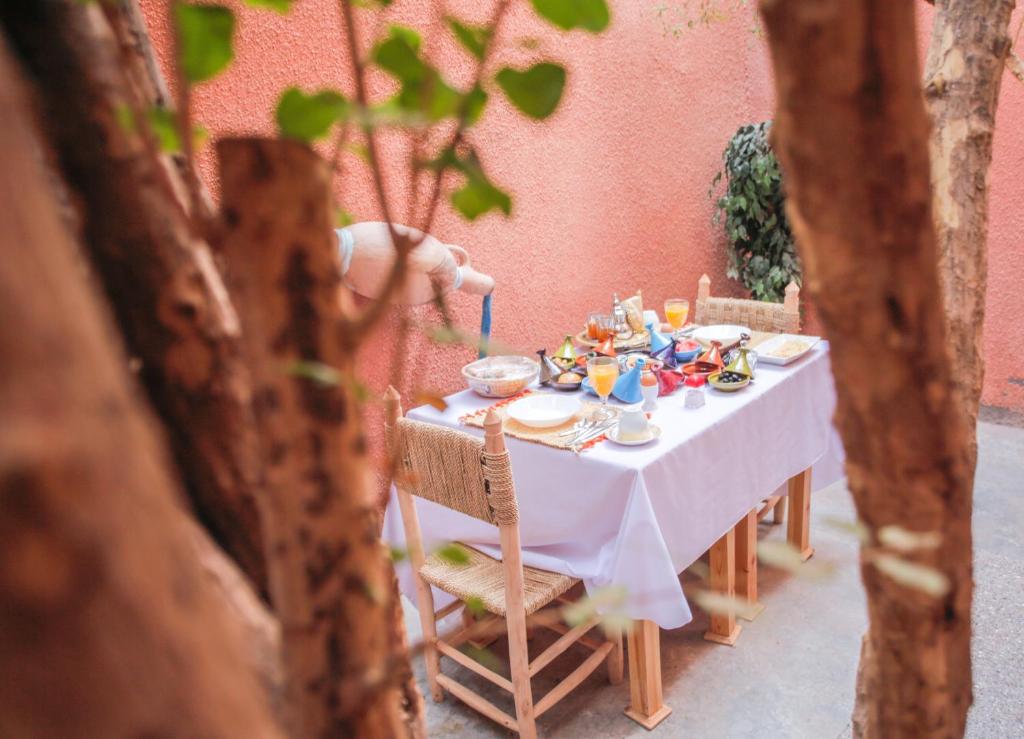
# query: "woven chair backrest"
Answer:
x=452 y=468
x=753 y=314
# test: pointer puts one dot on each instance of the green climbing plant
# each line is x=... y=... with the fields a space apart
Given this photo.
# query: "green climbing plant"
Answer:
x=762 y=253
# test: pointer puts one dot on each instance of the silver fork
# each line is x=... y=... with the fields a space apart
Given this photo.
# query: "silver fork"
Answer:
x=578 y=427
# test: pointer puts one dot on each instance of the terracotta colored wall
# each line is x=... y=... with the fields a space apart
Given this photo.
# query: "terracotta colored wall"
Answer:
x=611 y=192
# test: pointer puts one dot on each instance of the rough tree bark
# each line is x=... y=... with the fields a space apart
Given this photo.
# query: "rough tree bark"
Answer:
x=964 y=68
x=108 y=626
x=329 y=575
x=168 y=296
x=851 y=131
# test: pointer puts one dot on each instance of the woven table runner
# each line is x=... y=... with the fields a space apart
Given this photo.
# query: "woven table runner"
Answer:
x=548 y=437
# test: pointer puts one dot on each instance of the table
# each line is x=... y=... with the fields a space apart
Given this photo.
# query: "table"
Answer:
x=635 y=517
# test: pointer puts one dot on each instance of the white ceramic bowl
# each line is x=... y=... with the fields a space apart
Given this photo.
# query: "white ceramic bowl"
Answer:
x=544 y=411
x=501 y=376
x=724 y=332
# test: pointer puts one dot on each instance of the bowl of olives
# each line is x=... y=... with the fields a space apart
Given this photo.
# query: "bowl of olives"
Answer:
x=728 y=381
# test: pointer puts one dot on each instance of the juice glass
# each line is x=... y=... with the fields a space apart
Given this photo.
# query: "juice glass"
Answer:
x=676 y=311
x=603 y=372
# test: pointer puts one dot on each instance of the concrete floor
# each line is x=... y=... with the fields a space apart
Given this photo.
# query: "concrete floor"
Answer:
x=791 y=675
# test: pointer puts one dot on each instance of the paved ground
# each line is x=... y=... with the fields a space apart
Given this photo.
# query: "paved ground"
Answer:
x=791 y=675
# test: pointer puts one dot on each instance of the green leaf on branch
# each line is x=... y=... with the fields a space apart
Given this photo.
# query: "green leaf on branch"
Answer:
x=164 y=125
x=206 y=33
x=422 y=88
x=536 y=91
x=590 y=15
x=309 y=117
x=478 y=195
x=473 y=38
x=475 y=102
x=280 y=6
x=453 y=553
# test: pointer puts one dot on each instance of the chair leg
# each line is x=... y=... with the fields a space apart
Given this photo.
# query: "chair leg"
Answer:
x=431 y=656
x=615 y=660
x=519 y=663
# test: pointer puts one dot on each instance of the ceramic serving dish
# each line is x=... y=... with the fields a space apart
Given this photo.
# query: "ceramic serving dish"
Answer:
x=544 y=411
x=500 y=376
x=716 y=381
x=687 y=350
x=723 y=333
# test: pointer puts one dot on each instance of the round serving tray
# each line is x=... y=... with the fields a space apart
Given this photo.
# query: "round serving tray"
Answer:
x=638 y=340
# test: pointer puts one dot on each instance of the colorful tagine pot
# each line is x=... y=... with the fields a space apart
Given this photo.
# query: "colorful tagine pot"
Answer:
x=548 y=369
x=742 y=364
x=606 y=347
x=668 y=382
x=667 y=355
x=659 y=341
x=627 y=387
x=713 y=355
x=565 y=357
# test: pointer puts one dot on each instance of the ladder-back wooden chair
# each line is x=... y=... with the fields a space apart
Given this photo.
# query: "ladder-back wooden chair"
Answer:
x=779 y=318
x=474 y=477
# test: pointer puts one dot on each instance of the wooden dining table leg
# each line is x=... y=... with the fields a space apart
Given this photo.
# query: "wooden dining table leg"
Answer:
x=746 y=564
x=799 y=531
x=644 y=647
x=724 y=629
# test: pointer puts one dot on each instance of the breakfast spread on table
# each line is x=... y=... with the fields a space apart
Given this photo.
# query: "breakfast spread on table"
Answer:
x=630 y=355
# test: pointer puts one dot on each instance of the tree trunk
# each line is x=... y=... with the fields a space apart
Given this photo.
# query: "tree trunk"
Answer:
x=851 y=132
x=168 y=297
x=969 y=44
x=108 y=627
x=330 y=578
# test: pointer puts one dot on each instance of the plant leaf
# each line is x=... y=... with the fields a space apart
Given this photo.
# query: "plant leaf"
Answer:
x=590 y=15
x=279 y=6
x=535 y=91
x=473 y=38
x=309 y=117
x=433 y=399
x=164 y=125
x=453 y=553
x=318 y=372
x=206 y=33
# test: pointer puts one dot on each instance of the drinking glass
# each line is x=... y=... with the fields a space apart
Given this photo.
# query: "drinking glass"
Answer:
x=603 y=372
x=676 y=311
x=599 y=326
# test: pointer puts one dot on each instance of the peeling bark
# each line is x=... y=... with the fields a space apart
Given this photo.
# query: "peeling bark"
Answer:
x=851 y=132
x=108 y=627
x=963 y=72
x=330 y=579
x=169 y=298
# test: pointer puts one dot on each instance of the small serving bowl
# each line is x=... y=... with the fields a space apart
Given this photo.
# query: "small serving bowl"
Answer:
x=500 y=376
x=704 y=369
x=687 y=350
x=715 y=380
x=567 y=386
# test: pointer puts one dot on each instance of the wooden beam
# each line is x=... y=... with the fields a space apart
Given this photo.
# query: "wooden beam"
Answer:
x=477 y=702
x=746 y=563
x=561 y=644
x=724 y=629
x=799 y=531
x=471 y=664
x=646 y=706
x=573 y=679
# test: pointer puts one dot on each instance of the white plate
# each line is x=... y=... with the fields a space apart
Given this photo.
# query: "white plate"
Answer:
x=544 y=411
x=724 y=332
x=654 y=432
x=764 y=349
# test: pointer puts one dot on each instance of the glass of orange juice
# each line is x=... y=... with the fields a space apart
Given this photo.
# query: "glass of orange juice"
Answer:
x=603 y=372
x=676 y=311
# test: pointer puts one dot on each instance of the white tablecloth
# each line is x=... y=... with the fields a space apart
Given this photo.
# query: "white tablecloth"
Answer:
x=635 y=517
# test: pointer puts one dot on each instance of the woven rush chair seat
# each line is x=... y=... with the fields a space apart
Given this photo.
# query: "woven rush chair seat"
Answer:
x=483 y=577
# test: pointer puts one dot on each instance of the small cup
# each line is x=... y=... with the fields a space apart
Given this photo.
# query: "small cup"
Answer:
x=633 y=422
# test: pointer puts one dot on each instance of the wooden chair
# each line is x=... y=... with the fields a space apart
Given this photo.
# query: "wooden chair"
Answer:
x=461 y=472
x=780 y=318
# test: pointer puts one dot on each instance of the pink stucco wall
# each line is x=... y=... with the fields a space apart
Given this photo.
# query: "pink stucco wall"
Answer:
x=611 y=192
